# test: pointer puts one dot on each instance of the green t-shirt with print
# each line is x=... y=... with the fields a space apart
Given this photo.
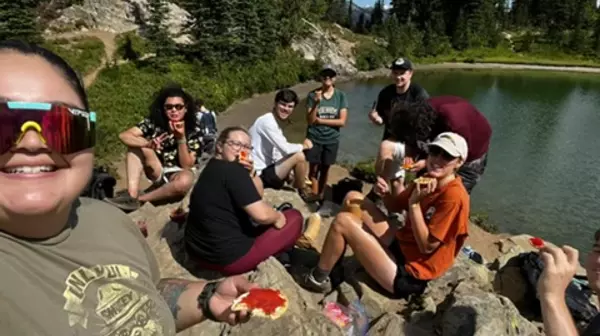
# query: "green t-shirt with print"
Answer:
x=328 y=109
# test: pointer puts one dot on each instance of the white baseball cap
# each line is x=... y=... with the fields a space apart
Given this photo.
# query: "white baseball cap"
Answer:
x=452 y=143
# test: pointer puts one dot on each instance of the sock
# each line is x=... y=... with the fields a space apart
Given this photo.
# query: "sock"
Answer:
x=319 y=274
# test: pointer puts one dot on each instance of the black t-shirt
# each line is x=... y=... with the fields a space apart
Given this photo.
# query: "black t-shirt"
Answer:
x=593 y=328
x=388 y=97
x=219 y=230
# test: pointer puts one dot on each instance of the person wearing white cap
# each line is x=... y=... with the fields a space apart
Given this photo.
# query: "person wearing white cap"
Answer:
x=403 y=260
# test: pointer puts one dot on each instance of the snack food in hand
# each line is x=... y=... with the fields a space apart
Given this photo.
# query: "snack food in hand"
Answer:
x=262 y=302
x=424 y=181
x=536 y=242
x=407 y=166
x=244 y=156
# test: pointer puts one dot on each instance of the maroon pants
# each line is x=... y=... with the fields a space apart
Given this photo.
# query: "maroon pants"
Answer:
x=269 y=243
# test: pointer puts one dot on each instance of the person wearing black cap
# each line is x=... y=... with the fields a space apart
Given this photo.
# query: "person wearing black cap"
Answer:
x=391 y=152
x=327 y=112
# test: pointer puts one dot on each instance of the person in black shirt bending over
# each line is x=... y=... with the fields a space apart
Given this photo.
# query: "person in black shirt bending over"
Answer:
x=230 y=228
x=402 y=91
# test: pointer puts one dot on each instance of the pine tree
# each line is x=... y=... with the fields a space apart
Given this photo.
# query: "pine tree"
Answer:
x=18 y=21
x=376 y=15
x=156 y=31
x=361 y=24
x=350 y=20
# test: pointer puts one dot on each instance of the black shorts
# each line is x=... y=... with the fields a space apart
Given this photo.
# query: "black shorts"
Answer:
x=404 y=283
x=270 y=179
x=323 y=154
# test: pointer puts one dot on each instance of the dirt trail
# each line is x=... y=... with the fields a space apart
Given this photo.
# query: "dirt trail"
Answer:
x=109 y=49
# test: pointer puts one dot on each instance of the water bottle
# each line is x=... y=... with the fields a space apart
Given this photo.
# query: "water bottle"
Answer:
x=472 y=254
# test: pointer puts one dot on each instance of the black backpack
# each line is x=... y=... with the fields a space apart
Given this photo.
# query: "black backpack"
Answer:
x=577 y=295
x=101 y=185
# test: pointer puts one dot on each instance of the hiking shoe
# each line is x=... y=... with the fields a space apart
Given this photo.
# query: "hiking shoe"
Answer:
x=124 y=202
x=312 y=226
x=308 y=197
x=308 y=282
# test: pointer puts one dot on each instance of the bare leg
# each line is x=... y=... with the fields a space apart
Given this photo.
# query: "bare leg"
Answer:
x=323 y=175
x=178 y=186
x=367 y=243
x=314 y=173
x=294 y=162
x=138 y=160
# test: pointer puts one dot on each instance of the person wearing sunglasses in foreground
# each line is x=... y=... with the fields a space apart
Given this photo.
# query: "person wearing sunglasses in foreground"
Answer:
x=70 y=265
x=275 y=158
x=403 y=260
x=163 y=146
x=230 y=228
x=560 y=266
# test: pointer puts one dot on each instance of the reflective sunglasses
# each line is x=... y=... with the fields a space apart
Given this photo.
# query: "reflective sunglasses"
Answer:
x=64 y=129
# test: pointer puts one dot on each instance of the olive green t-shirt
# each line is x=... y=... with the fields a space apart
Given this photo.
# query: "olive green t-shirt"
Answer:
x=328 y=109
x=97 y=277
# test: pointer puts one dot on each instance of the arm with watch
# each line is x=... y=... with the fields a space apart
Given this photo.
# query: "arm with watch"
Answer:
x=192 y=302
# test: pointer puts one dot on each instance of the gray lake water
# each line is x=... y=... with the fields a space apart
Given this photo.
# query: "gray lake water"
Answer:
x=542 y=175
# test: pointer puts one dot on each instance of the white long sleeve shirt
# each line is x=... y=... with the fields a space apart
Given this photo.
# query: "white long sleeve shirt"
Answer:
x=270 y=145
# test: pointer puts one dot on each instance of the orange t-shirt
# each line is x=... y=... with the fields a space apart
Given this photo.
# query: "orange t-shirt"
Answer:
x=446 y=214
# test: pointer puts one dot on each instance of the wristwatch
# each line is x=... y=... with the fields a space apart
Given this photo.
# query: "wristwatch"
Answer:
x=204 y=298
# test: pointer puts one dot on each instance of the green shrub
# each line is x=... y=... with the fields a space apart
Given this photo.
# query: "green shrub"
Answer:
x=121 y=94
x=85 y=54
x=131 y=46
x=370 y=56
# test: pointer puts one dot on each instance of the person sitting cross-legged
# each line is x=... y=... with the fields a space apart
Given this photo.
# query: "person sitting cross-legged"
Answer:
x=403 y=260
x=163 y=146
x=275 y=158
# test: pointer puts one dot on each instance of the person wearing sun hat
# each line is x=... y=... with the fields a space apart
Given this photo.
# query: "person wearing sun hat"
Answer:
x=403 y=260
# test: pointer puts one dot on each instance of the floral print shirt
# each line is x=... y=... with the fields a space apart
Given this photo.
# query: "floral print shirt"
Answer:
x=168 y=155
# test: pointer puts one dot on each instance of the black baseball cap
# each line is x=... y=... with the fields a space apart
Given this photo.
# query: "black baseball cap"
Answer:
x=401 y=64
x=328 y=68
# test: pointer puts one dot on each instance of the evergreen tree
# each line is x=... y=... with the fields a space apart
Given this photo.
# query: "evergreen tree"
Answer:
x=350 y=22
x=361 y=24
x=156 y=31
x=18 y=21
x=376 y=15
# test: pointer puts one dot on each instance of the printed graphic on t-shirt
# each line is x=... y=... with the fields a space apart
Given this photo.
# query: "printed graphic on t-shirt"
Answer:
x=429 y=214
x=119 y=309
x=328 y=112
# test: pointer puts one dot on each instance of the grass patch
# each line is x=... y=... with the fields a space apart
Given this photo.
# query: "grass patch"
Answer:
x=85 y=54
x=122 y=94
x=482 y=220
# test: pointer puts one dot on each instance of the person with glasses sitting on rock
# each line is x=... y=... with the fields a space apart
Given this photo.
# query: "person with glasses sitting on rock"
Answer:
x=230 y=228
x=163 y=146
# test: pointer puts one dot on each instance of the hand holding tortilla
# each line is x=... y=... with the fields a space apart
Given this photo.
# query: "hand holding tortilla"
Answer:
x=262 y=302
x=423 y=187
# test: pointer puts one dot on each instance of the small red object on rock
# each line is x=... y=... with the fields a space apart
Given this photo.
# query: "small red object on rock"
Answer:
x=178 y=216
x=536 y=242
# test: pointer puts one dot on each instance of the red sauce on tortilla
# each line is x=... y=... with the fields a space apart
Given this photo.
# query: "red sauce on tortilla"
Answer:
x=265 y=299
x=536 y=242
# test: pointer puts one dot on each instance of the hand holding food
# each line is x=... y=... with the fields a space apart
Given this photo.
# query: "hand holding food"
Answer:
x=423 y=187
x=262 y=302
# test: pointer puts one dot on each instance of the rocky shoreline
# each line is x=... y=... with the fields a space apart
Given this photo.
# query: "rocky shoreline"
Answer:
x=470 y=299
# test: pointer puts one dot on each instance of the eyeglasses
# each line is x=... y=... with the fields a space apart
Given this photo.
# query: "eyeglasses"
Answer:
x=437 y=151
x=64 y=129
x=177 y=107
x=236 y=145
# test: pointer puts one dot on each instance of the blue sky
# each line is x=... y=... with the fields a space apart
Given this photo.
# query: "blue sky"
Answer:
x=367 y=3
